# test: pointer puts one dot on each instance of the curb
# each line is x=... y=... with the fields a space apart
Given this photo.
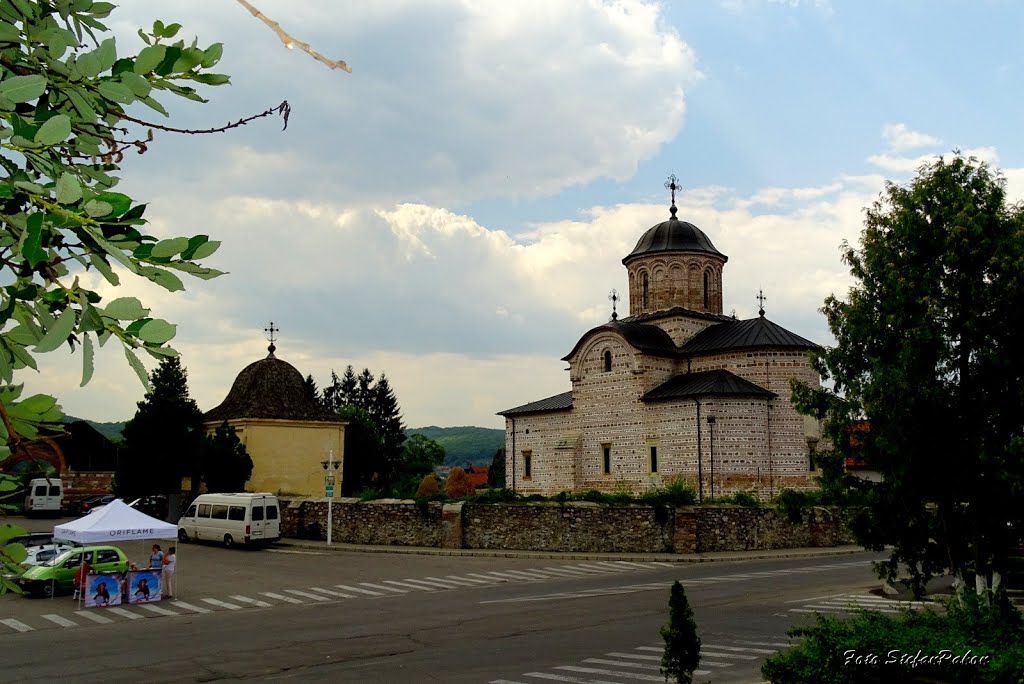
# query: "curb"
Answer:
x=721 y=556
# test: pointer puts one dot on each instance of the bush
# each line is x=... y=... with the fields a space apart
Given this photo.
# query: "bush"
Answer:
x=744 y=498
x=868 y=647
x=429 y=486
x=793 y=502
x=494 y=496
x=370 y=494
x=678 y=493
x=458 y=485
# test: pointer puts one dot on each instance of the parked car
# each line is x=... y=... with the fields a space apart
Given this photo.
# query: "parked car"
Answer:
x=154 y=505
x=37 y=555
x=30 y=539
x=87 y=503
x=44 y=496
x=232 y=518
x=58 y=574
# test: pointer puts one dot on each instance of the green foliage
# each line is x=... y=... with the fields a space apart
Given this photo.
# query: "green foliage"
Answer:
x=465 y=446
x=64 y=90
x=458 y=485
x=793 y=502
x=362 y=445
x=682 y=645
x=10 y=557
x=677 y=493
x=428 y=487
x=925 y=357
x=745 y=498
x=496 y=496
x=420 y=455
x=226 y=465
x=164 y=438
x=829 y=649
x=496 y=471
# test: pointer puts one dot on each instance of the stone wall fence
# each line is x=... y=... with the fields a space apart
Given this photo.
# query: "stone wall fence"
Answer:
x=578 y=526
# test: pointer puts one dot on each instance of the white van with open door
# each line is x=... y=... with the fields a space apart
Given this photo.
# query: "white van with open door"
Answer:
x=231 y=519
x=44 y=496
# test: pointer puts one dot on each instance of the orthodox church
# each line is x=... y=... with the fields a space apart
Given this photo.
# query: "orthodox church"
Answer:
x=674 y=390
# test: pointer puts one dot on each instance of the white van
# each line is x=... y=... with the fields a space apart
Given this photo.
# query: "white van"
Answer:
x=44 y=496
x=231 y=519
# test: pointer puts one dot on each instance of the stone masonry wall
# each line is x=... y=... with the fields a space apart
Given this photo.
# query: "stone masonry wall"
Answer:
x=575 y=526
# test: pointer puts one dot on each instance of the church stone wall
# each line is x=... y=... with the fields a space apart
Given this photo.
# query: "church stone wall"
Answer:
x=674 y=279
x=550 y=439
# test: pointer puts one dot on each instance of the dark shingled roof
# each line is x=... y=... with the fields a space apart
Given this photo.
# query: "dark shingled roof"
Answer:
x=649 y=339
x=752 y=333
x=675 y=311
x=673 y=236
x=559 y=402
x=270 y=388
x=716 y=383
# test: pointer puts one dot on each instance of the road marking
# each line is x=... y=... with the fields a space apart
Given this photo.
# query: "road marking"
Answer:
x=634 y=656
x=280 y=597
x=57 y=619
x=626 y=675
x=189 y=606
x=487 y=577
x=378 y=586
x=357 y=589
x=565 y=572
x=466 y=579
x=306 y=594
x=331 y=592
x=451 y=583
x=431 y=585
x=504 y=681
x=409 y=586
x=221 y=604
x=588 y=570
x=598 y=568
x=816 y=598
x=93 y=616
x=15 y=624
x=522 y=574
x=622 y=663
x=157 y=609
x=558 y=678
x=302 y=553
x=615 y=567
x=125 y=613
x=764 y=643
x=642 y=566
x=246 y=599
x=712 y=647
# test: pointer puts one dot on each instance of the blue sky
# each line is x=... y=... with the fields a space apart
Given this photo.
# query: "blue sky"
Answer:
x=454 y=212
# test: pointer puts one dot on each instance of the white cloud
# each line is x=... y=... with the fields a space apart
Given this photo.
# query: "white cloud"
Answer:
x=742 y=6
x=900 y=137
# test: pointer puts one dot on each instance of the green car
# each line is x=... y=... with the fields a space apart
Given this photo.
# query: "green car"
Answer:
x=59 y=574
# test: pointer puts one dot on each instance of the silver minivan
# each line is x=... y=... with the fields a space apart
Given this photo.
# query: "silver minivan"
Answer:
x=230 y=519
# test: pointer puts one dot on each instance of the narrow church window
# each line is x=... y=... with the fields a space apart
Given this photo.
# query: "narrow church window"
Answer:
x=654 y=459
x=527 y=464
x=707 y=289
x=607 y=362
x=646 y=290
x=606 y=452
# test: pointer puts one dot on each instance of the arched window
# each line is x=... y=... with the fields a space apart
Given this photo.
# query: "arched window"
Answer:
x=646 y=287
x=707 y=289
x=607 y=362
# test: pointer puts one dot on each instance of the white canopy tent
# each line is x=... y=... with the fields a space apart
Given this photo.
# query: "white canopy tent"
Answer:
x=114 y=523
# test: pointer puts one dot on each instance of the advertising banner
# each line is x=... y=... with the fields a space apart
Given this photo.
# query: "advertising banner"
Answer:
x=103 y=589
x=144 y=586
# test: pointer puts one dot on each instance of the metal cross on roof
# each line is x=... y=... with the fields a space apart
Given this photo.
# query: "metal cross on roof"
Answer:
x=614 y=297
x=673 y=185
x=270 y=330
x=760 y=301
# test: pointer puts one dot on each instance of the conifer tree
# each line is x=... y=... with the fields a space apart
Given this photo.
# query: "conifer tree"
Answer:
x=682 y=645
x=347 y=386
x=162 y=440
x=330 y=398
x=387 y=415
x=226 y=464
x=362 y=395
x=309 y=388
x=496 y=473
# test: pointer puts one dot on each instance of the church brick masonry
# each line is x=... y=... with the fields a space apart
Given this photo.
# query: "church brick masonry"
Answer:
x=675 y=390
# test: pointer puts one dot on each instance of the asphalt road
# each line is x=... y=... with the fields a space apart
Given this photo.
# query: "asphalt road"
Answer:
x=287 y=614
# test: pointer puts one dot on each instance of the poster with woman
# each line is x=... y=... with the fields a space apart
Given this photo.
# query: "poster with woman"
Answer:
x=103 y=589
x=143 y=586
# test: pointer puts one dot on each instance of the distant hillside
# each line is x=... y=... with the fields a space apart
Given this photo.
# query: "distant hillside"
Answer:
x=464 y=445
x=111 y=431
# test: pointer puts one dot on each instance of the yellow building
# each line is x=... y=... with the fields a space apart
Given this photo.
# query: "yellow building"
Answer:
x=286 y=433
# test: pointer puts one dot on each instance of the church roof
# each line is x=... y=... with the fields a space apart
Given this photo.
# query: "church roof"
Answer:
x=715 y=383
x=673 y=236
x=675 y=311
x=748 y=334
x=647 y=338
x=559 y=402
x=270 y=388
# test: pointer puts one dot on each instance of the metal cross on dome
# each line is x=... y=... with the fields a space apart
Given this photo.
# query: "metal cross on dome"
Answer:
x=760 y=302
x=614 y=297
x=270 y=330
x=673 y=185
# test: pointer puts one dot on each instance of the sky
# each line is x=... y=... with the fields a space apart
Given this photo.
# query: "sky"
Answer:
x=454 y=212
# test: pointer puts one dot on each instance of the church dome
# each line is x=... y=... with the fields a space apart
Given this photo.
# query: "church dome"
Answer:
x=269 y=388
x=674 y=236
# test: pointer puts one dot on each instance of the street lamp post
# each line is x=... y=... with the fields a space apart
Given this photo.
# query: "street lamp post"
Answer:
x=330 y=466
x=711 y=425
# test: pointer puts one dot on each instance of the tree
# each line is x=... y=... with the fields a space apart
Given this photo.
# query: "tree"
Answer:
x=496 y=473
x=362 y=449
x=420 y=455
x=458 y=484
x=310 y=390
x=682 y=645
x=928 y=355
x=387 y=415
x=163 y=439
x=363 y=394
x=429 y=486
x=226 y=464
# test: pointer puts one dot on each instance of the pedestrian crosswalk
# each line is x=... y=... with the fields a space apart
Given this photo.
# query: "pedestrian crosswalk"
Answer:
x=848 y=603
x=643 y=663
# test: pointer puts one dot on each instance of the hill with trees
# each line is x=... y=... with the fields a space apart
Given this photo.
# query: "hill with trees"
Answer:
x=464 y=446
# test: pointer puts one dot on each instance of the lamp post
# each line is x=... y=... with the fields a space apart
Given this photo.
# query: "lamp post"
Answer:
x=330 y=466
x=711 y=426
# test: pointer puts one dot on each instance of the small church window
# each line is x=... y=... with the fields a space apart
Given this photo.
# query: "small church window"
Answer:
x=607 y=362
x=654 y=459
x=606 y=452
x=527 y=465
x=646 y=287
x=707 y=289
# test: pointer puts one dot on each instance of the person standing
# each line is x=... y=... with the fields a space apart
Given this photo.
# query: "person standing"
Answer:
x=156 y=559
x=169 y=561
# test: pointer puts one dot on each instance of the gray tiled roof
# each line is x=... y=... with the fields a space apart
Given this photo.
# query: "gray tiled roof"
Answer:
x=751 y=333
x=716 y=383
x=649 y=339
x=675 y=311
x=559 y=402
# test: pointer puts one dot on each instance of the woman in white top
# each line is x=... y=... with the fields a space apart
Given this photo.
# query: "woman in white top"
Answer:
x=169 y=560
